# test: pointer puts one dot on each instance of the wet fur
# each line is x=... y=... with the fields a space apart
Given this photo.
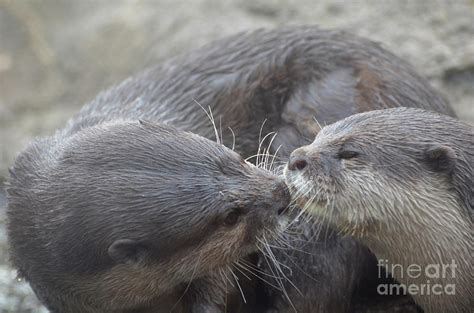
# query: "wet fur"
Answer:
x=289 y=77
x=407 y=194
x=162 y=193
x=292 y=81
x=295 y=78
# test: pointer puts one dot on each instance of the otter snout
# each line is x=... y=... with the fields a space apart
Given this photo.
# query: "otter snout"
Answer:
x=314 y=160
x=298 y=160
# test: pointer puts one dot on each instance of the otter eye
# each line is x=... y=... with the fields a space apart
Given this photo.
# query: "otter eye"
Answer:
x=232 y=218
x=347 y=154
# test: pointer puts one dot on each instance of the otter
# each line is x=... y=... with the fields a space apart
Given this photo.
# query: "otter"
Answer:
x=118 y=216
x=289 y=81
x=401 y=182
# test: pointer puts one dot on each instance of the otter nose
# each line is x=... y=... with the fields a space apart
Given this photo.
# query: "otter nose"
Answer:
x=298 y=160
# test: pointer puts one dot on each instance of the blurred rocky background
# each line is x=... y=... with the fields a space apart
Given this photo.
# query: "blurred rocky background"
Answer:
x=57 y=54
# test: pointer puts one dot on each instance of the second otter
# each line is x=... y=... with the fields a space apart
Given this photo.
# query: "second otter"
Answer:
x=130 y=216
x=401 y=181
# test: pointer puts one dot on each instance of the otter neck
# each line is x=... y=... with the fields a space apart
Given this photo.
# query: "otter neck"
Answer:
x=429 y=252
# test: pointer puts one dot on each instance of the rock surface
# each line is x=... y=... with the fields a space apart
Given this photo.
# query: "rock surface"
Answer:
x=57 y=54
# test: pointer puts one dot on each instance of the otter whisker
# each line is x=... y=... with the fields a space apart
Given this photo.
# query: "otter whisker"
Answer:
x=218 y=139
x=283 y=240
x=278 y=268
x=263 y=279
x=227 y=277
x=238 y=285
x=299 y=267
x=277 y=263
x=329 y=211
x=292 y=248
x=317 y=122
x=268 y=150
x=261 y=130
x=233 y=137
x=267 y=245
x=219 y=270
x=226 y=293
x=273 y=159
x=224 y=278
x=277 y=165
x=260 y=147
x=220 y=126
x=279 y=168
x=298 y=195
x=189 y=283
x=263 y=249
x=272 y=269
x=260 y=138
x=252 y=267
x=211 y=118
x=255 y=156
x=236 y=266
x=302 y=212
x=265 y=160
x=285 y=246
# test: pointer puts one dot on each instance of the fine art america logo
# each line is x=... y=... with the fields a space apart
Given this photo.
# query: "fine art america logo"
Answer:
x=426 y=279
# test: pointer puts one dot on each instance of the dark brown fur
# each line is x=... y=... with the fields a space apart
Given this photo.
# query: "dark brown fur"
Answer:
x=291 y=77
x=129 y=215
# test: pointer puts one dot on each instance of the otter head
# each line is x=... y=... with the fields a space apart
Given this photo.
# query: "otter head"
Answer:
x=140 y=205
x=381 y=169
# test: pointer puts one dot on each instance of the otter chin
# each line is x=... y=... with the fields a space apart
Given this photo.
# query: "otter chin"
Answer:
x=400 y=181
x=121 y=216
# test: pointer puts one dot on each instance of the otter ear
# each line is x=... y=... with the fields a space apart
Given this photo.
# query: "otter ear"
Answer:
x=440 y=158
x=127 y=251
